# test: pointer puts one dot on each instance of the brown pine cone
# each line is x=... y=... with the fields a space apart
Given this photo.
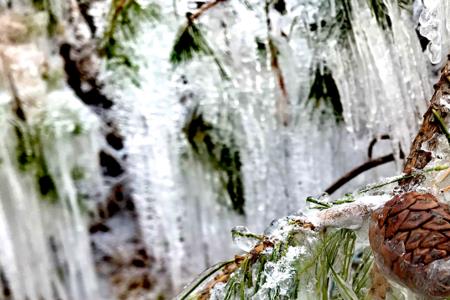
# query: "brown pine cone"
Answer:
x=410 y=239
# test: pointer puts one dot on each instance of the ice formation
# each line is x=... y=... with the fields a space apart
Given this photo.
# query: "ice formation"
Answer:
x=435 y=27
x=49 y=174
x=43 y=222
x=284 y=145
x=381 y=77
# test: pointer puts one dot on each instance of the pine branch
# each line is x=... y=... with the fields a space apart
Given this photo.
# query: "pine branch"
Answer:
x=380 y=12
x=222 y=157
x=191 y=41
x=17 y=102
x=125 y=19
x=204 y=8
x=325 y=94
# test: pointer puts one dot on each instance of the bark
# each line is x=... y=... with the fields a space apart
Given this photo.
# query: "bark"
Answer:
x=419 y=158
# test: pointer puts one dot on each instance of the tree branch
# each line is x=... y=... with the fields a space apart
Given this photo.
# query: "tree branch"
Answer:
x=374 y=141
x=203 y=9
x=17 y=105
x=419 y=158
x=358 y=170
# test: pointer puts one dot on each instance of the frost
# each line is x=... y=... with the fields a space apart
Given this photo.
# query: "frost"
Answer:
x=280 y=274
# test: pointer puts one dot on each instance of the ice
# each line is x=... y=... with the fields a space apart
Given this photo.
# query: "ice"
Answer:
x=185 y=214
x=243 y=238
x=435 y=26
x=43 y=238
x=183 y=204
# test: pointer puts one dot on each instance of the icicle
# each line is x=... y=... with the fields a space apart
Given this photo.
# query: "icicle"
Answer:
x=43 y=236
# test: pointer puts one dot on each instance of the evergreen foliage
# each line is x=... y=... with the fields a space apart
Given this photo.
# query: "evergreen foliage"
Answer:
x=211 y=149
x=190 y=42
x=30 y=158
x=324 y=93
x=331 y=267
x=379 y=10
x=125 y=19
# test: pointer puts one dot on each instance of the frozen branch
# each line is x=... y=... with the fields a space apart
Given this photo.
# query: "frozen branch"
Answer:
x=205 y=7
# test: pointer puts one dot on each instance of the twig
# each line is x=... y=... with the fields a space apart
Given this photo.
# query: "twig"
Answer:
x=203 y=9
x=117 y=10
x=374 y=141
x=403 y=177
x=205 y=276
x=358 y=170
x=232 y=266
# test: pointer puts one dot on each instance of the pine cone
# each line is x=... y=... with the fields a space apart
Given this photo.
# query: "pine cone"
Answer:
x=410 y=238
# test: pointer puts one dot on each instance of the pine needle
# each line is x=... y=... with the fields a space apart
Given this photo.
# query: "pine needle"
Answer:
x=126 y=17
x=325 y=94
x=380 y=12
x=191 y=42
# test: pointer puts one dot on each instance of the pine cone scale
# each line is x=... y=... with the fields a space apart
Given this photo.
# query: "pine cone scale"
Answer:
x=415 y=238
x=415 y=219
x=394 y=223
x=437 y=224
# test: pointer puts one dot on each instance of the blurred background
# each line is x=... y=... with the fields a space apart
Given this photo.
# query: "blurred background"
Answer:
x=136 y=134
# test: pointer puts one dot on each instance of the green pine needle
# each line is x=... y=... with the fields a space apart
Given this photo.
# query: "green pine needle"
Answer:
x=190 y=42
x=344 y=288
x=379 y=10
x=210 y=148
x=325 y=94
x=125 y=20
